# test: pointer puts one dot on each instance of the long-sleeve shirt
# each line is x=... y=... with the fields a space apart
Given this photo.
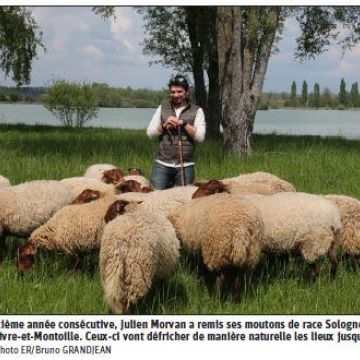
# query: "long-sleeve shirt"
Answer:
x=199 y=123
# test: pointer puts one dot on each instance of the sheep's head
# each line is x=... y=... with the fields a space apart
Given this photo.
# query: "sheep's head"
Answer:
x=86 y=196
x=135 y=171
x=128 y=186
x=209 y=188
x=25 y=257
x=115 y=209
x=112 y=176
x=146 y=189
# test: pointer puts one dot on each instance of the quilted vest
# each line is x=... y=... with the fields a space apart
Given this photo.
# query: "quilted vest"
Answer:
x=169 y=139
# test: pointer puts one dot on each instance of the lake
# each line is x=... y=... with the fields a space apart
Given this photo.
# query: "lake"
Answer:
x=345 y=123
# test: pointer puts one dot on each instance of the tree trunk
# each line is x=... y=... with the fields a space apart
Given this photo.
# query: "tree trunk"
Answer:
x=214 y=115
x=197 y=55
x=244 y=46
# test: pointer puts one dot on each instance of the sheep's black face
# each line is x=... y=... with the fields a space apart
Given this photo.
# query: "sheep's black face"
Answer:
x=115 y=209
x=25 y=258
x=113 y=176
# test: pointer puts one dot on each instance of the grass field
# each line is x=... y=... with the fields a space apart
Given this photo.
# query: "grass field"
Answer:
x=312 y=164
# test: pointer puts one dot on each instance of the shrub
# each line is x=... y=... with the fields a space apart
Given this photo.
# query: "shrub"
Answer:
x=72 y=103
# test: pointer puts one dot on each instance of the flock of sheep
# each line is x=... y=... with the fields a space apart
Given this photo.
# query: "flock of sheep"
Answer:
x=139 y=232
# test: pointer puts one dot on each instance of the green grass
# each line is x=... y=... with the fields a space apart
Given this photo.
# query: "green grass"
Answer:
x=312 y=164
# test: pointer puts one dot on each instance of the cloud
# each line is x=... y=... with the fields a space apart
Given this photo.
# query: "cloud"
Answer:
x=93 y=51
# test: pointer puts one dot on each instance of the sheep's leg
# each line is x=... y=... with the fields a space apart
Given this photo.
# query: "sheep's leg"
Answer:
x=333 y=252
x=2 y=247
x=237 y=285
x=334 y=260
x=75 y=263
x=220 y=280
x=315 y=269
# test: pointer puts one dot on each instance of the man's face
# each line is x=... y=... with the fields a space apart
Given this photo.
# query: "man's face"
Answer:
x=177 y=95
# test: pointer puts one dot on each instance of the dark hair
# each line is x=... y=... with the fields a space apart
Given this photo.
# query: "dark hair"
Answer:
x=179 y=80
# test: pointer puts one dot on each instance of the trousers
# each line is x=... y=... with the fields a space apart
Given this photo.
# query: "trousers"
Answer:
x=164 y=177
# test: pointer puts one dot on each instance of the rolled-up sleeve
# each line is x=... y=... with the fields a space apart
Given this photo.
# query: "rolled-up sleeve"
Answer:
x=152 y=130
x=200 y=126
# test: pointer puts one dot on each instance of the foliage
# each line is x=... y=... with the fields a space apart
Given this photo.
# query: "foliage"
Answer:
x=20 y=39
x=304 y=93
x=343 y=93
x=320 y=25
x=167 y=38
x=72 y=103
x=326 y=98
x=354 y=95
x=293 y=94
x=104 y=11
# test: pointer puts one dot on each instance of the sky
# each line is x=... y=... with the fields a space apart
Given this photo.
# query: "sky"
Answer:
x=81 y=46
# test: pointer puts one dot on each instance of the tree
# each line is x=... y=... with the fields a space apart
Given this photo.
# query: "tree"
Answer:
x=72 y=103
x=304 y=93
x=316 y=95
x=246 y=36
x=326 y=98
x=293 y=94
x=245 y=39
x=354 y=94
x=342 y=93
x=20 y=39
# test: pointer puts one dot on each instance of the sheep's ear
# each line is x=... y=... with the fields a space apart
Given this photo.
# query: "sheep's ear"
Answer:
x=115 y=209
x=86 y=196
x=199 y=183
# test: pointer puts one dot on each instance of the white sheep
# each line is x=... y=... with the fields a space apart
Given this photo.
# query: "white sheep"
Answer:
x=142 y=180
x=78 y=184
x=258 y=182
x=165 y=201
x=224 y=229
x=349 y=208
x=305 y=223
x=26 y=206
x=136 y=249
x=4 y=182
x=96 y=171
x=73 y=230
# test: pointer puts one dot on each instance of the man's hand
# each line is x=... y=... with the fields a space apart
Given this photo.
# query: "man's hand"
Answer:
x=171 y=122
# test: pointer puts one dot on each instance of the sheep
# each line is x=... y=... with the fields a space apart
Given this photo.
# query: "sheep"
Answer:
x=305 y=223
x=143 y=181
x=113 y=176
x=349 y=208
x=4 y=182
x=78 y=184
x=164 y=201
x=209 y=187
x=87 y=196
x=224 y=229
x=131 y=186
x=258 y=182
x=136 y=249
x=96 y=171
x=26 y=206
x=73 y=230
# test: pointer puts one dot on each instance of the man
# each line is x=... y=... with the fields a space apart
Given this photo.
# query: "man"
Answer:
x=179 y=116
